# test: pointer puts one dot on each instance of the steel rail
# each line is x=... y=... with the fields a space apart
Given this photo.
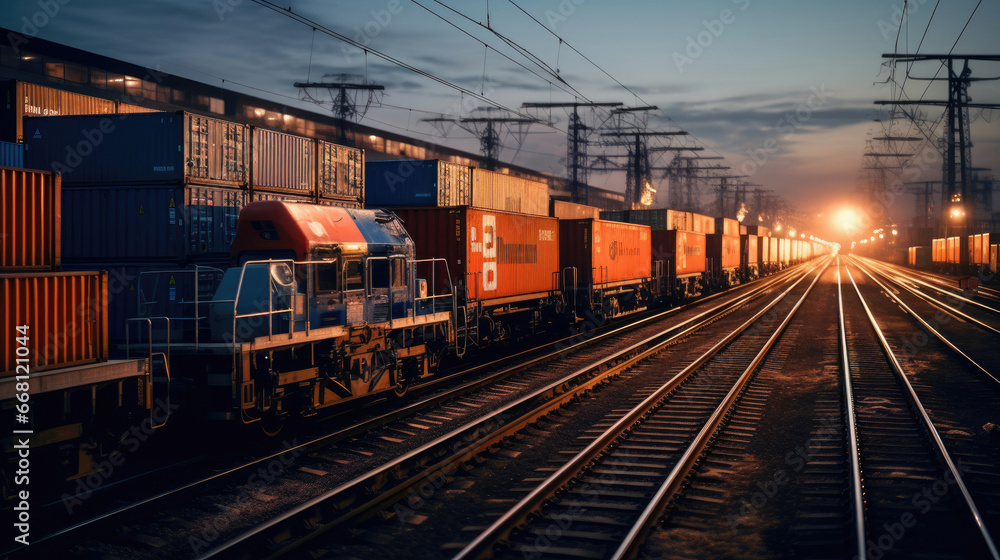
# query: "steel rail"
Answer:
x=521 y=511
x=629 y=548
x=928 y=424
x=927 y=325
x=857 y=489
x=886 y=270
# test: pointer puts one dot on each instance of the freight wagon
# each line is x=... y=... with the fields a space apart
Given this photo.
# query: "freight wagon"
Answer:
x=504 y=267
x=55 y=345
x=919 y=257
x=723 y=253
x=683 y=254
x=608 y=266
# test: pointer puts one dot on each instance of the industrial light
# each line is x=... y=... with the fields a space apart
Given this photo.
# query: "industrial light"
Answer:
x=881 y=236
x=894 y=232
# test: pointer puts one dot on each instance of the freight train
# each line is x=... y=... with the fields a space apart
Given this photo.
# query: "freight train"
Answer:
x=322 y=304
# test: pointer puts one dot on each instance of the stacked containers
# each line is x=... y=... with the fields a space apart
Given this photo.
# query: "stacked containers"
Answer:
x=11 y=154
x=571 y=211
x=66 y=313
x=723 y=247
x=674 y=239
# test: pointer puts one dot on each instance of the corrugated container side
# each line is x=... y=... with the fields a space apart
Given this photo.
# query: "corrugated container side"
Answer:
x=953 y=250
x=749 y=252
x=757 y=230
x=571 y=211
x=66 y=314
x=613 y=215
x=938 y=250
x=683 y=251
x=341 y=171
x=773 y=253
x=723 y=250
x=763 y=250
x=994 y=255
x=499 y=191
x=11 y=154
x=30 y=208
x=604 y=251
x=149 y=223
x=493 y=254
x=727 y=226
x=454 y=184
x=216 y=150
x=785 y=250
x=32 y=100
x=283 y=161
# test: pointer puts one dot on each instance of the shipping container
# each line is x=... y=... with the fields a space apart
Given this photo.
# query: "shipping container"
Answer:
x=755 y=230
x=749 y=251
x=954 y=251
x=140 y=148
x=30 y=210
x=763 y=250
x=341 y=171
x=939 y=250
x=11 y=154
x=773 y=254
x=414 y=182
x=283 y=162
x=663 y=219
x=683 y=252
x=723 y=251
x=784 y=251
x=605 y=252
x=493 y=255
x=66 y=315
x=506 y=192
x=613 y=215
x=571 y=211
x=727 y=226
x=153 y=290
x=919 y=257
x=994 y=255
x=32 y=100
x=149 y=222
x=979 y=247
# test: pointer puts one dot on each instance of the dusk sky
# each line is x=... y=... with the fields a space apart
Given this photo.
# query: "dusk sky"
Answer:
x=790 y=79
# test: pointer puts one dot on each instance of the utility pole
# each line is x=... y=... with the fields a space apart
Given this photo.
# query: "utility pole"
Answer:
x=487 y=126
x=957 y=160
x=345 y=102
x=576 y=142
x=638 y=170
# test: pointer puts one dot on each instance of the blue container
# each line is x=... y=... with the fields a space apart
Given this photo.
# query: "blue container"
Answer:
x=156 y=289
x=149 y=223
x=417 y=182
x=137 y=148
x=11 y=154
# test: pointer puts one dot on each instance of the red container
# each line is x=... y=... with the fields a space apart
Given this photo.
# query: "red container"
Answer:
x=497 y=255
x=30 y=211
x=683 y=251
x=723 y=250
x=66 y=314
x=603 y=251
x=749 y=250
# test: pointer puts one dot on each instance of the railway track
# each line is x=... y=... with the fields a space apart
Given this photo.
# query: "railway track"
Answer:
x=464 y=404
x=337 y=512
x=916 y=499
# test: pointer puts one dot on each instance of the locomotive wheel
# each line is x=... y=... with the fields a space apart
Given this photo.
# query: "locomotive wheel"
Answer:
x=272 y=424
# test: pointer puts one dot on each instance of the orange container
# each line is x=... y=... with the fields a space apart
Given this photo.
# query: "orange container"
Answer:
x=683 y=251
x=66 y=314
x=604 y=251
x=30 y=210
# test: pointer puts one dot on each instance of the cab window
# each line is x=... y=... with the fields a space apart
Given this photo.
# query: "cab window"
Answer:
x=353 y=278
x=327 y=279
